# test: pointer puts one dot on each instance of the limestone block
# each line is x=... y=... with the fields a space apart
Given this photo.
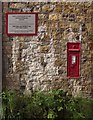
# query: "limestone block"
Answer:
x=45 y=8
x=56 y=35
x=61 y=24
x=58 y=62
x=58 y=8
x=44 y=49
x=53 y=17
x=52 y=24
x=19 y=63
x=43 y=16
x=80 y=19
x=37 y=8
x=17 y=5
x=60 y=71
x=23 y=46
x=21 y=39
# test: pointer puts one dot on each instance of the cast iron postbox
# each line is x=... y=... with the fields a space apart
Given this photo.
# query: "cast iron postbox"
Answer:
x=73 y=60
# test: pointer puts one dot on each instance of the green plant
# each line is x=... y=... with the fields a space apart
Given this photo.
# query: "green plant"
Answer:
x=54 y=105
x=10 y=105
x=79 y=108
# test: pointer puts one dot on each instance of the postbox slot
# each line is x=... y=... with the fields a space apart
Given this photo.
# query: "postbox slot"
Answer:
x=74 y=50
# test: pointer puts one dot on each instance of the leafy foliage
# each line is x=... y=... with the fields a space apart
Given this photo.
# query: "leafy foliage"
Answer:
x=54 y=105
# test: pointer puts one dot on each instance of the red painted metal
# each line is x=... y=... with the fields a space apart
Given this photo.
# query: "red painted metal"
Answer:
x=73 y=60
x=22 y=34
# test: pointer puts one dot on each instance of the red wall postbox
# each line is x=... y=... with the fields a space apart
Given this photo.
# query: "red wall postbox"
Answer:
x=73 y=60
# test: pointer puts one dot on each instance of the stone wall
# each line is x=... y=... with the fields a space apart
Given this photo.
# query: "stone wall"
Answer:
x=40 y=62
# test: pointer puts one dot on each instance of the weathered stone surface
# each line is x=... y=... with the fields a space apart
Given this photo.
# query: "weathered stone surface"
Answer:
x=53 y=17
x=58 y=62
x=46 y=8
x=58 y=8
x=17 y=5
x=40 y=62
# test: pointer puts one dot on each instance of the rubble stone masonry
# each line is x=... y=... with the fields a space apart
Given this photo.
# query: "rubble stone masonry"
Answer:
x=40 y=62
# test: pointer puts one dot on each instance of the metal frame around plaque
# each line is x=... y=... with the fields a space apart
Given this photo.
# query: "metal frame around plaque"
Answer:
x=21 y=23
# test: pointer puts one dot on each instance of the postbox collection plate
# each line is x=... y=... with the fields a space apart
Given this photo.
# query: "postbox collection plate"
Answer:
x=73 y=60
